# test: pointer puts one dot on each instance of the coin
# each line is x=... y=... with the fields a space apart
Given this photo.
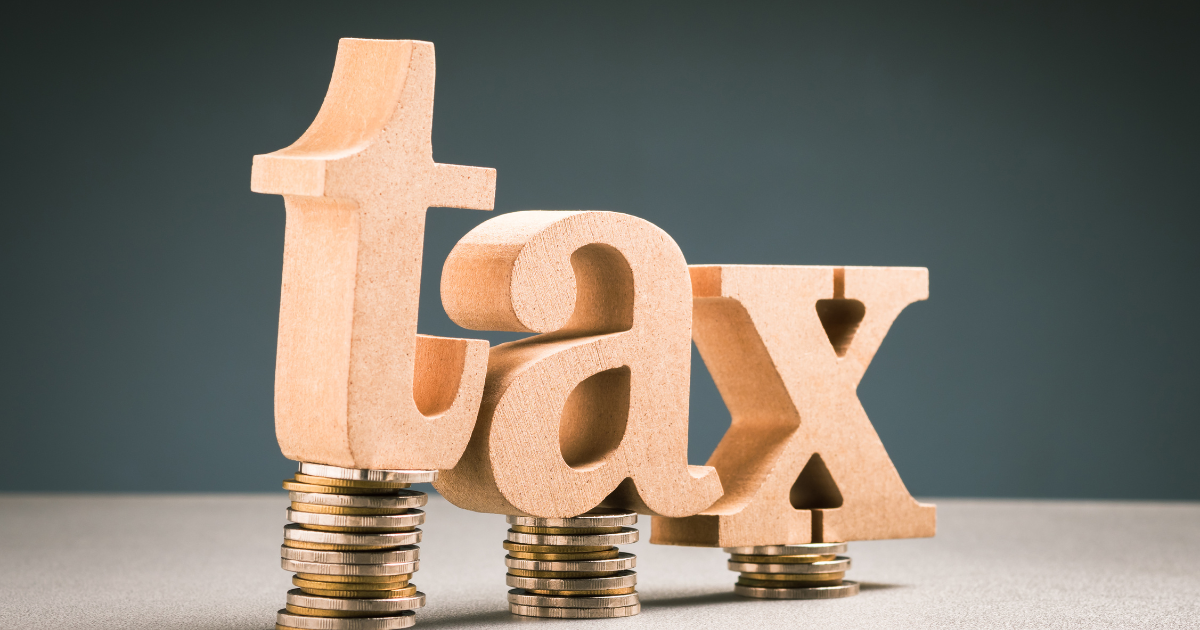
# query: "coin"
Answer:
x=317 y=612
x=381 y=581
x=810 y=549
x=599 y=517
x=621 y=579
x=402 y=554
x=352 y=511
x=346 y=483
x=324 y=568
x=845 y=589
x=298 y=544
x=407 y=591
x=377 y=540
x=558 y=574
x=565 y=530
x=827 y=566
x=602 y=592
x=512 y=546
x=575 y=613
x=781 y=559
x=562 y=557
x=360 y=474
x=295 y=486
x=288 y=621
x=296 y=597
x=626 y=536
x=400 y=499
x=393 y=522
x=794 y=577
x=799 y=579
x=526 y=598
x=306 y=583
x=622 y=562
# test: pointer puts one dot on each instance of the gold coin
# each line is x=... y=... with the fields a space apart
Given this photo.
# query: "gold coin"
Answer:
x=348 y=483
x=790 y=584
x=295 y=486
x=300 y=544
x=526 y=529
x=794 y=577
x=559 y=574
x=560 y=557
x=320 y=612
x=352 y=586
x=358 y=530
x=512 y=546
x=407 y=591
x=312 y=508
x=355 y=579
x=781 y=559
x=612 y=591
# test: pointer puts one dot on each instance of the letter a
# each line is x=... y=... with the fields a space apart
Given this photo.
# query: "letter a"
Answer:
x=355 y=386
x=596 y=409
x=787 y=347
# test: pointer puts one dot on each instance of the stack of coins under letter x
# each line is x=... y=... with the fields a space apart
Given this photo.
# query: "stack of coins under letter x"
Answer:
x=812 y=571
x=570 y=567
x=352 y=545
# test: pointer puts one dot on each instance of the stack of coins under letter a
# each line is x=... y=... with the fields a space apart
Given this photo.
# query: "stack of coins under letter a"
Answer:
x=812 y=571
x=352 y=545
x=570 y=568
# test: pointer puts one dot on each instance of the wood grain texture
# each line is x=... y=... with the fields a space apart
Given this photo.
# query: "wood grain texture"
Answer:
x=355 y=386
x=787 y=347
x=595 y=409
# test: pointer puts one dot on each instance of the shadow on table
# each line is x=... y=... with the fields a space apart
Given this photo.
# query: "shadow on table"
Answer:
x=724 y=597
x=719 y=597
x=878 y=586
x=470 y=619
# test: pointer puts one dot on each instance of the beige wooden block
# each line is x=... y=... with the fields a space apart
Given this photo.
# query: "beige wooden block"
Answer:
x=787 y=347
x=594 y=409
x=355 y=385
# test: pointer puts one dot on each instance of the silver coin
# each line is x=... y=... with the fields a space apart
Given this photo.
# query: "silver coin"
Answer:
x=845 y=589
x=404 y=554
x=810 y=549
x=525 y=598
x=361 y=474
x=381 y=539
x=605 y=518
x=297 y=597
x=412 y=518
x=288 y=620
x=626 y=536
x=622 y=562
x=327 y=568
x=624 y=579
x=575 y=613
x=403 y=499
x=826 y=566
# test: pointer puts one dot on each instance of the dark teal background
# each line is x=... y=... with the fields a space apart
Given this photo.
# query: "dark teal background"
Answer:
x=1040 y=158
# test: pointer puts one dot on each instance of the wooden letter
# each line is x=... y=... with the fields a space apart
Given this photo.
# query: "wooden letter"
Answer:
x=355 y=386
x=596 y=409
x=787 y=347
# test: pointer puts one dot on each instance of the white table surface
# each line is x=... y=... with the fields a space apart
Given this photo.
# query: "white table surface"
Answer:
x=212 y=562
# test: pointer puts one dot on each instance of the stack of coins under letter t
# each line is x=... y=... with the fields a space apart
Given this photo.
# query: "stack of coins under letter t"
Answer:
x=812 y=571
x=352 y=545
x=570 y=568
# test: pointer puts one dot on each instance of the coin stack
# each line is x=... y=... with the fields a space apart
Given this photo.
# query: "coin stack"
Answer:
x=352 y=544
x=812 y=571
x=570 y=568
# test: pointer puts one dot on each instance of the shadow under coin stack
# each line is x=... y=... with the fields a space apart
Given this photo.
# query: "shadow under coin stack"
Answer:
x=352 y=545
x=812 y=571
x=570 y=568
